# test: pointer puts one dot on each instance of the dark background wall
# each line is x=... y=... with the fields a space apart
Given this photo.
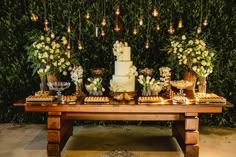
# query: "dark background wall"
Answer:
x=16 y=29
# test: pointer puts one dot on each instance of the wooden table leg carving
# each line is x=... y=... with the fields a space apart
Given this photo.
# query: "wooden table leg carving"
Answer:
x=59 y=131
x=187 y=135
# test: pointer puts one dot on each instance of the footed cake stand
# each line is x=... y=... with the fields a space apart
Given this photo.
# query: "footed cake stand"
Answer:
x=181 y=85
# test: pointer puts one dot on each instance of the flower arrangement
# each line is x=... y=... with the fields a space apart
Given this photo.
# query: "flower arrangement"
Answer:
x=95 y=86
x=118 y=49
x=77 y=74
x=133 y=71
x=49 y=55
x=146 y=82
x=193 y=54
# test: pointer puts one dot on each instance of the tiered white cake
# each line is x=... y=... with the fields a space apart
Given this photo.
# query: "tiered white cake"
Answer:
x=124 y=78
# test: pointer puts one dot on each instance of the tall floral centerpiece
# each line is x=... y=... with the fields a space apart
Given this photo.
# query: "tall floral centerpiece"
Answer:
x=77 y=78
x=193 y=54
x=49 y=55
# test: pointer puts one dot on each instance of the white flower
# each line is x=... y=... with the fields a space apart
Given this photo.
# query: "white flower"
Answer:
x=183 y=37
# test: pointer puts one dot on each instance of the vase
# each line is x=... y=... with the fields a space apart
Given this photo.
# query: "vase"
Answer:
x=202 y=85
x=78 y=89
x=191 y=77
x=43 y=83
x=52 y=77
x=97 y=92
x=146 y=91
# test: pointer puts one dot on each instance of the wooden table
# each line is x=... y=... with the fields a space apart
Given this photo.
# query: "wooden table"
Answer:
x=184 y=129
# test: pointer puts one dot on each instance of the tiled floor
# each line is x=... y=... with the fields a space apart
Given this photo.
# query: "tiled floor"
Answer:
x=93 y=141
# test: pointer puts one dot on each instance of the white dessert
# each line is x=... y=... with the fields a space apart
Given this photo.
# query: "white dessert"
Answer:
x=122 y=67
x=126 y=83
x=124 y=76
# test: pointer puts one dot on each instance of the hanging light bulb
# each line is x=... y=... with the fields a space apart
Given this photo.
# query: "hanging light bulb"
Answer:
x=117 y=11
x=68 y=46
x=158 y=27
x=147 y=44
x=135 y=31
x=34 y=17
x=102 y=33
x=96 y=31
x=87 y=15
x=46 y=28
x=52 y=35
x=117 y=28
x=199 y=30
x=171 y=29
x=141 y=21
x=103 y=22
x=80 y=47
x=205 y=22
x=155 y=12
x=68 y=29
x=180 y=23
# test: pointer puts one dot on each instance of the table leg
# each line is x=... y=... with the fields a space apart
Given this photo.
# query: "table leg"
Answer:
x=59 y=131
x=187 y=135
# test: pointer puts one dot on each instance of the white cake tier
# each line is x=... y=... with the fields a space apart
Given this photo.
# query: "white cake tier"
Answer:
x=122 y=67
x=126 y=83
x=126 y=55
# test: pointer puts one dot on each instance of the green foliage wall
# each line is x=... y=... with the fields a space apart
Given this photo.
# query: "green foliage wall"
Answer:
x=16 y=80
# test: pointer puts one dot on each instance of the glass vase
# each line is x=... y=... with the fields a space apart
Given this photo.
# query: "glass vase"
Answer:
x=78 y=89
x=202 y=85
x=43 y=83
x=146 y=91
x=97 y=92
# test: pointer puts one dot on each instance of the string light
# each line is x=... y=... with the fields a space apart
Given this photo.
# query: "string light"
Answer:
x=87 y=15
x=171 y=29
x=104 y=22
x=155 y=12
x=141 y=21
x=205 y=22
x=158 y=27
x=102 y=33
x=34 y=17
x=46 y=28
x=180 y=23
x=199 y=30
x=104 y=14
x=135 y=31
x=80 y=47
x=52 y=33
x=147 y=44
x=68 y=46
x=117 y=28
x=96 y=31
x=117 y=11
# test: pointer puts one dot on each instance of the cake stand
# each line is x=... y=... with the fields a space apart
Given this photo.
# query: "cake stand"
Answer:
x=59 y=87
x=181 y=85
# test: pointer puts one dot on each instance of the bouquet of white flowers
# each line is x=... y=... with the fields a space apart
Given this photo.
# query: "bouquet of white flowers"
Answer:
x=49 y=55
x=193 y=54
x=146 y=82
x=95 y=87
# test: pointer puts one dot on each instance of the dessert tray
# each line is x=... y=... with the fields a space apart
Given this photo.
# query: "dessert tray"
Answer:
x=70 y=99
x=96 y=99
x=35 y=98
x=209 y=98
x=150 y=99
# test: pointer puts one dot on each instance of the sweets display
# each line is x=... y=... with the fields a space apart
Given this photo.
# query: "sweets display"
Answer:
x=95 y=99
x=42 y=93
x=209 y=98
x=70 y=99
x=149 y=99
x=33 y=98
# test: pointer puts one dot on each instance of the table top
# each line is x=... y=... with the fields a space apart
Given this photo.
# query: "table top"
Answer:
x=113 y=106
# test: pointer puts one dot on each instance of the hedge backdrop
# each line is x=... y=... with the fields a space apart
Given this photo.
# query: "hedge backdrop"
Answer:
x=17 y=32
